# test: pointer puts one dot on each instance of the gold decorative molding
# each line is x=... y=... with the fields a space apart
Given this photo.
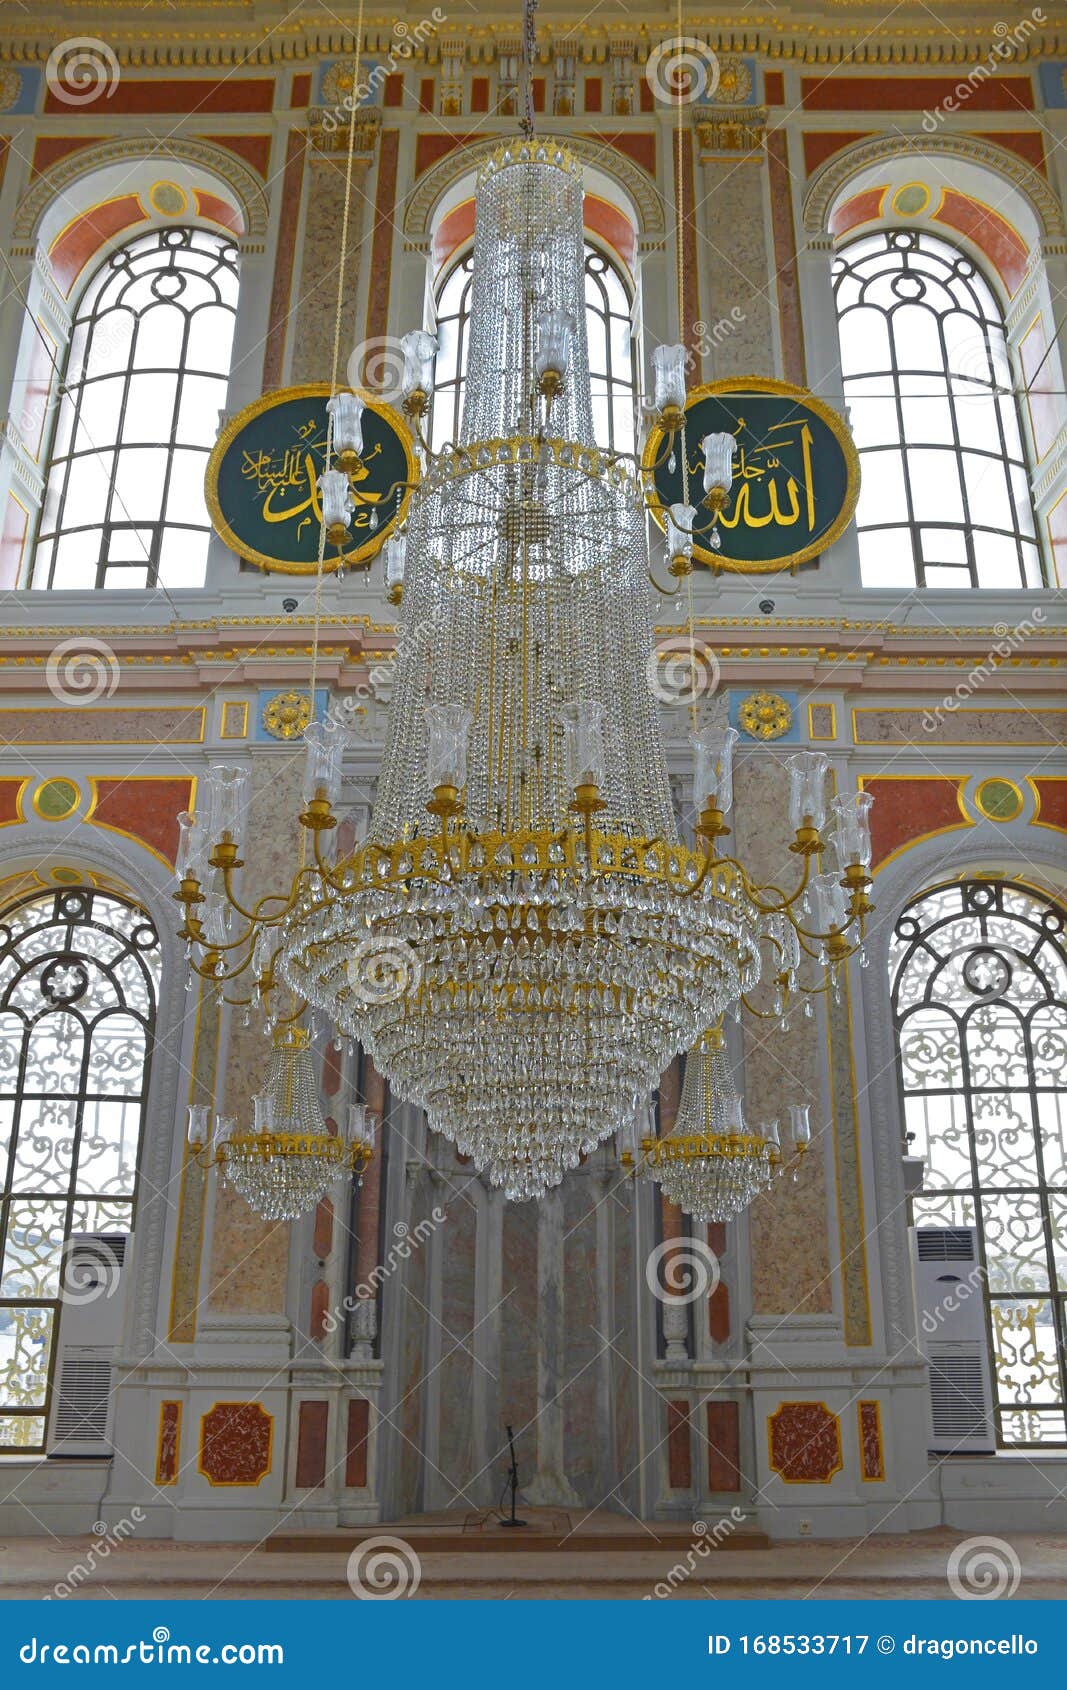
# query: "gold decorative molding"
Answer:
x=330 y=139
x=733 y=130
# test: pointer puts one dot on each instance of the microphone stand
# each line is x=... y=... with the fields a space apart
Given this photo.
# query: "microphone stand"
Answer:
x=513 y=1481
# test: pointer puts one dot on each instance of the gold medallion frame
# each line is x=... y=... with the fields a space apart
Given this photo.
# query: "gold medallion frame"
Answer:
x=268 y=402
x=765 y=384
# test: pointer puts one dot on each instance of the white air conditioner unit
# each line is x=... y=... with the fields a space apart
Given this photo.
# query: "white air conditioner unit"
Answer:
x=950 y=1310
x=91 y=1318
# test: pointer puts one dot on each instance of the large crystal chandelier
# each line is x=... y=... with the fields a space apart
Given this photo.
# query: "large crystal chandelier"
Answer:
x=524 y=940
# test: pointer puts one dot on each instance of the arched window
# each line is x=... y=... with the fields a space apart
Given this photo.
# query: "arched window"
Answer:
x=79 y=979
x=979 y=973
x=612 y=362
x=144 y=381
x=945 y=496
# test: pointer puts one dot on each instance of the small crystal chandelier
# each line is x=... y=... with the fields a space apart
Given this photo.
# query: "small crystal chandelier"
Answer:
x=711 y=1164
x=286 y=1162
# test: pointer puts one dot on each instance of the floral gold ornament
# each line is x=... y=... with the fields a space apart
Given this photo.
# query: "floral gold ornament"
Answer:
x=268 y=484
x=523 y=852
x=287 y=714
x=734 y=85
x=765 y=715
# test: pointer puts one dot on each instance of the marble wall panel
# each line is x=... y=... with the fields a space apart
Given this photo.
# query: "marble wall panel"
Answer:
x=408 y=1306
x=791 y=1257
x=456 y=1372
x=583 y=1432
x=518 y=1337
x=250 y=1255
x=313 y=310
x=735 y=271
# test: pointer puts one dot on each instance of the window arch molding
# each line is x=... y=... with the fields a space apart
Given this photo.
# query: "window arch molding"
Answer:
x=141 y=878
x=927 y=864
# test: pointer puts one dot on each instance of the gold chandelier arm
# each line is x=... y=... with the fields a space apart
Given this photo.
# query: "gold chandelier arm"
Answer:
x=665 y=592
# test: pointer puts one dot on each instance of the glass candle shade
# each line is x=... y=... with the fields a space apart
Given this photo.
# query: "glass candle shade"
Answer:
x=419 y=349
x=325 y=747
x=852 y=829
x=347 y=409
x=807 y=789
x=555 y=332
x=583 y=728
x=713 y=776
x=668 y=367
x=448 y=728
x=718 y=450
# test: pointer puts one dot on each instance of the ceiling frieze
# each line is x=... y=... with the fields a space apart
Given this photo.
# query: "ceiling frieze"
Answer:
x=226 y=33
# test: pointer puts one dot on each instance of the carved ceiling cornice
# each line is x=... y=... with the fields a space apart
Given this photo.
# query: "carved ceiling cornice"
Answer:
x=229 y=33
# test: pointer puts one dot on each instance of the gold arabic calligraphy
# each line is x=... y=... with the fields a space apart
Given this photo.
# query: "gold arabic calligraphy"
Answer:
x=288 y=480
x=759 y=465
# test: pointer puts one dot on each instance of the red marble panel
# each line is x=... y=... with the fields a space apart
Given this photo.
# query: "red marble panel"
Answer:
x=254 y=149
x=76 y=244
x=679 y=1453
x=236 y=1439
x=1051 y=793
x=170 y=1421
x=773 y=88
x=646 y=98
x=322 y=1236
x=1001 y=243
x=724 y=1446
x=301 y=92
x=911 y=807
x=861 y=208
x=805 y=1443
x=142 y=808
x=821 y=144
x=394 y=90
x=219 y=211
x=913 y=93
x=642 y=149
x=719 y=1313
x=609 y=223
x=144 y=96
x=292 y=189
x=872 y=1459
x=312 y=1426
x=594 y=94
x=49 y=149
x=430 y=149
x=1028 y=143
x=479 y=93
x=426 y=93
x=356 y=1443
x=783 y=231
x=453 y=231
x=318 y=1309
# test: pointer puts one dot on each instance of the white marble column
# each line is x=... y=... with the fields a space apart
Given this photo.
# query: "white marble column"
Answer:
x=550 y=1487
